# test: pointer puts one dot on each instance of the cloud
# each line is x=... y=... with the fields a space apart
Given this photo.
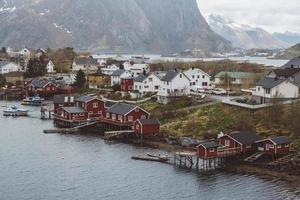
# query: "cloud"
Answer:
x=272 y=15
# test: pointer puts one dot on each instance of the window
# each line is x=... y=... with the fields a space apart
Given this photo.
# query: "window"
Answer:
x=150 y=79
x=227 y=143
x=48 y=89
x=107 y=115
x=204 y=84
x=90 y=112
x=120 y=117
x=193 y=77
x=137 y=110
x=95 y=105
x=113 y=116
x=143 y=117
x=130 y=118
x=211 y=150
x=198 y=76
x=203 y=76
x=100 y=112
x=137 y=126
x=156 y=87
x=287 y=145
x=268 y=91
x=279 y=147
x=180 y=75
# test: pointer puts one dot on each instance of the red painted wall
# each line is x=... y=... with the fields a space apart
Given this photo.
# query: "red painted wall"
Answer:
x=146 y=129
x=127 y=85
x=201 y=152
x=94 y=112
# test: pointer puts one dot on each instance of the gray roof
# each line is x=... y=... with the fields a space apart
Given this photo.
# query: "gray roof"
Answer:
x=86 y=61
x=281 y=139
x=61 y=99
x=141 y=78
x=118 y=72
x=170 y=75
x=270 y=83
x=292 y=63
x=149 y=121
x=208 y=145
x=85 y=98
x=74 y=109
x=245 y=137
x=121 y=109
x=40 y=83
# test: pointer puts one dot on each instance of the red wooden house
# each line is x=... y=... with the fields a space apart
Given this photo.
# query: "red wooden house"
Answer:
x=275 y=145
x=208 y=150
x=42 y=88
x=146 y=127
x=243 y=140
x=71 y=114
x=125 y=114
x=94 y=106
x=63 y=101
x=127 y=84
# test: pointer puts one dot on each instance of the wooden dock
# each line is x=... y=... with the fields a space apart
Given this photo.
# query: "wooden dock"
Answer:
x=70 y=130
x=111 y=135
x=148 y=158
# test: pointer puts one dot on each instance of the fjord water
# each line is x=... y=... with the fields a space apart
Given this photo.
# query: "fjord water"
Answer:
x=36 y=166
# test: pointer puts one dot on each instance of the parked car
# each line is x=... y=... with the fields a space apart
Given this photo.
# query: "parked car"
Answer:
x=241 y=100
x=219 y=91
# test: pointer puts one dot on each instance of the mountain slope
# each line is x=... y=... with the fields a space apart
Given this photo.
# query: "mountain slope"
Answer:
x=289 y=53
x=288 y=37
x=244 y=36
x=108 y=25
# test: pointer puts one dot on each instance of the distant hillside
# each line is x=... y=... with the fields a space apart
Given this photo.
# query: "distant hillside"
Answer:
x=289 y=53
x=111 y=26
x=288 y=37
x=244 y=36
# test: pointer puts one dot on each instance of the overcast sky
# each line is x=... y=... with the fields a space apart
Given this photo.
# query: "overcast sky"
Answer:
x=272 y=15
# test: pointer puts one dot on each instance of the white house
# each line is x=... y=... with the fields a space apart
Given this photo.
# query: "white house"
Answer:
x=7 y=67
x=88 y=65
x=136 y=69
x=150 y=82
x=109 y=69
x=50 y=67
x=117 y=75
x=25 y=53
x=274 y=88
x=174 y=84
x=199 y=79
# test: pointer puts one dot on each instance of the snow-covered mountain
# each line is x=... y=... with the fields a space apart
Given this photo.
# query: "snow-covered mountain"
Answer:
x=244 y=36
x=288 y=37
x=141 y=26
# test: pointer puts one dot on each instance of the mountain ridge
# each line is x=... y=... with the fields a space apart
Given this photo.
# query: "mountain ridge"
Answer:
x=244 y=36
x=108 y=25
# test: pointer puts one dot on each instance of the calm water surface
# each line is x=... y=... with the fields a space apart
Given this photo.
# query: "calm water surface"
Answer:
x=35 y=166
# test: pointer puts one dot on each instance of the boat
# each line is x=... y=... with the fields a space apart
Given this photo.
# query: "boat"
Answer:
x=33 y=101
x=157 y=156
x=15 y=112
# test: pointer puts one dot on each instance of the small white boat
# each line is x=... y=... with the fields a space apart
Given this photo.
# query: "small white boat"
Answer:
x=33 y=101
x=15 y=112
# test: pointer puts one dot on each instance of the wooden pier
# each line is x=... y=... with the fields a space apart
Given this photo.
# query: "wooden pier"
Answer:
x=70 y=130
x=110 y=135
x=191 y=160
x=46 y=113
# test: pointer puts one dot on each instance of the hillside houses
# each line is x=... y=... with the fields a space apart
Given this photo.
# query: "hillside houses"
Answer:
x=136 y=69
x=50 y=67
x=117 y=75
x=174 y=84
x=149 y=82
x=282 y=83
x=235 y=78
x=198 y=78
x=88 y=65
x=7 y=67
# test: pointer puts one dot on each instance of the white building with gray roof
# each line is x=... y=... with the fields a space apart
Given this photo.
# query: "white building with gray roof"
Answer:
x=174 y=84
x=7 y=67
x=274 y=88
